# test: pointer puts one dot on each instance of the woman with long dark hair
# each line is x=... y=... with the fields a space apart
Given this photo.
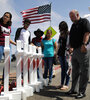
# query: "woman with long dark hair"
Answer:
x=62 y=42
x=5 y=30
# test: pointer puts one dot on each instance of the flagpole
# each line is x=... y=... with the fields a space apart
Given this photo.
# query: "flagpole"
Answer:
x=50 y=18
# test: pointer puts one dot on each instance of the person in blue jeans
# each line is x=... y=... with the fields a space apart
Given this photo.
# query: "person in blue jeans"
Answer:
x=63 y=27
x=48 y=45
x=5 y=30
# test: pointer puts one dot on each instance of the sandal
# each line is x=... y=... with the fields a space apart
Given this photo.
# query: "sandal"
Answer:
x=64 y=88
x=58 y=87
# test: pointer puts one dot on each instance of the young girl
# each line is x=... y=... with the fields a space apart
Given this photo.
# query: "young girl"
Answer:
x=5 y=30
x=65 y=77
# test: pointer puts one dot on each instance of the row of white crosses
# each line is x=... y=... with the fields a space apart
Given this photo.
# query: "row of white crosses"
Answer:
x=22 y=92
x=6 y=95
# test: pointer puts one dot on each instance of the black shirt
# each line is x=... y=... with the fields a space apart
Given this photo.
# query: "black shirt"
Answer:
x=62 y=48
x=77 y=32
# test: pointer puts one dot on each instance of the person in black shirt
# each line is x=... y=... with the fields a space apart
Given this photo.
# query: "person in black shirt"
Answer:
x=79 y=38
x=63 y=27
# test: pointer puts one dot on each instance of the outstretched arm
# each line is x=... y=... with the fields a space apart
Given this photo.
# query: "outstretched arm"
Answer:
x=12 y=42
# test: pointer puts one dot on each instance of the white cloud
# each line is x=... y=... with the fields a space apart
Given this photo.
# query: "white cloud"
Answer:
x=8 y=6
x=86 y=15
x=55 y=17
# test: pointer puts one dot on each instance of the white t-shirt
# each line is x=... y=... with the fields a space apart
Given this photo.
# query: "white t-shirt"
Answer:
x=24 y=36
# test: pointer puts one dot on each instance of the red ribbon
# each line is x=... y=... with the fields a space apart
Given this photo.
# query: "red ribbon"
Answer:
x=33 y=63
x=28 y=63
x=37 y=62
x=42 y=63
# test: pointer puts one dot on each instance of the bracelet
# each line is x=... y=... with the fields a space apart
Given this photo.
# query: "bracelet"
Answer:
x=84 y=43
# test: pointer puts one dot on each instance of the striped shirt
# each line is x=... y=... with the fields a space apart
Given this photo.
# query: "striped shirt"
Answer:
x=4 y=31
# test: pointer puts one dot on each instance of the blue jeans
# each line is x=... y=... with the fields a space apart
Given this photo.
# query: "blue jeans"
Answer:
x=1 y=51
x=1 y=54
x=64 y=67
x=38 y=73
x=48 y=65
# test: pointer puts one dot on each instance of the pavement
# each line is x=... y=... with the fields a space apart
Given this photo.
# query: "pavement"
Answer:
x=50 y=92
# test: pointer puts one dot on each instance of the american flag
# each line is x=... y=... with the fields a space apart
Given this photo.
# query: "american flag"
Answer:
x=38 y=14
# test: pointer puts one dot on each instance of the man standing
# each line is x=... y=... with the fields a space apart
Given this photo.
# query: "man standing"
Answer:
x=79 y=39
x=23 y=34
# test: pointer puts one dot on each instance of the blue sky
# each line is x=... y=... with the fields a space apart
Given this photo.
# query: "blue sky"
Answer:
x=59 y=12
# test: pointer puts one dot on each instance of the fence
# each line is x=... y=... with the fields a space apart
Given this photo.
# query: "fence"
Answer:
x=28 y=57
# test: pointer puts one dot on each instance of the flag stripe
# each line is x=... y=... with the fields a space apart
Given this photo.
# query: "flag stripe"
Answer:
x=48 y=15
x=38 y=14
x=39 y=19
x=35 y=22
x=30 y=9
x=25 y=13
x=30 y=14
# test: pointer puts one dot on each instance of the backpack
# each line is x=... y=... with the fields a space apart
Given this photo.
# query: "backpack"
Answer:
x=18 y=34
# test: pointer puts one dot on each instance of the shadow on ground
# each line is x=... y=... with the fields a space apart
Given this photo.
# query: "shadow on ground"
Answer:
x=52 y=92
